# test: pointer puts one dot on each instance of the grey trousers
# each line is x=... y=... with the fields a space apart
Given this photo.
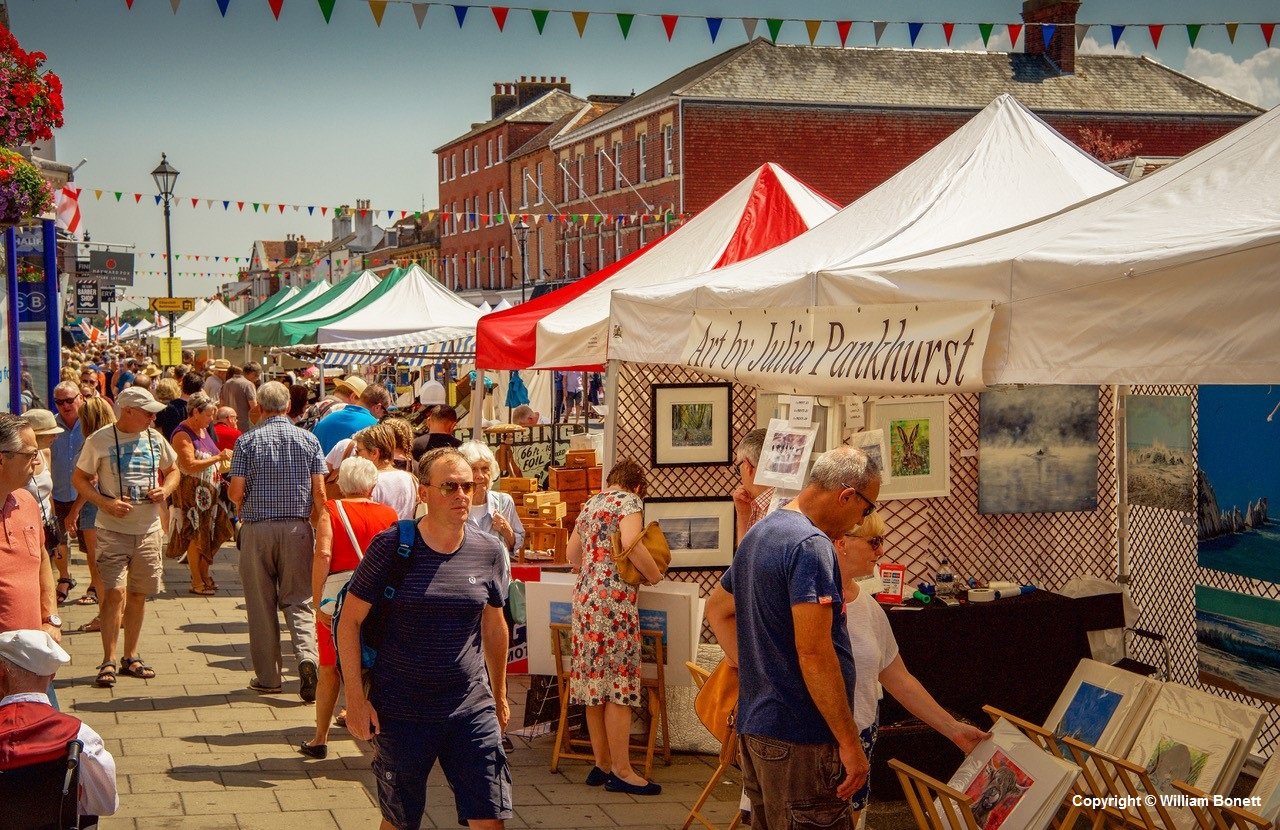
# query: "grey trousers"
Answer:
x=275 y=568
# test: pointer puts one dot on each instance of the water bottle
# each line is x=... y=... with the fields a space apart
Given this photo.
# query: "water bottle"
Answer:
x=945 y=581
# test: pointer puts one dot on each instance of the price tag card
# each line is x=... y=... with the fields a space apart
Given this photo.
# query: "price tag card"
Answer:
x=800 y=411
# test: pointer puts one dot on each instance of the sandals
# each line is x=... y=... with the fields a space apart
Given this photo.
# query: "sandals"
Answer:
x=63 y=593
x=90 y=597
x=134 y=667
x=92 y=625
x=203 y=591
x=106 y=676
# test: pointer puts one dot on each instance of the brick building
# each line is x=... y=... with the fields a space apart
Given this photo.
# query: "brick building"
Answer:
x=845 y=120
x=474 y=180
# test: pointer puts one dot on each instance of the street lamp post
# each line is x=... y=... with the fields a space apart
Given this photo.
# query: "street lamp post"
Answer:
x=521 y=231
x=166 y=176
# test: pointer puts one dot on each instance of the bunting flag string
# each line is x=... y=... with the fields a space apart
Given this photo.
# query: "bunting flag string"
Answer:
x=670 y=22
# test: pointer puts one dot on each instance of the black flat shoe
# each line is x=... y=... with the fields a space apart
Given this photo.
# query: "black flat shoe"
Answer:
x=319 y=752
x=597 y=777
x=614 y=784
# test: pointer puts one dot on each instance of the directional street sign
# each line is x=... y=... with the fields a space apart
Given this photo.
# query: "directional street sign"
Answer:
x=172 y=304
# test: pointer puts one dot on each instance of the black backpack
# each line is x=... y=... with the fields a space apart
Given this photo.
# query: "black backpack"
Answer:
x=373 y=631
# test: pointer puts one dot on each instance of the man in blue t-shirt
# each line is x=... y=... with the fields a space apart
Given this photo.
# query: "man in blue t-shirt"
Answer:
x=346 y=422
x=779 y=614
x=439 y=685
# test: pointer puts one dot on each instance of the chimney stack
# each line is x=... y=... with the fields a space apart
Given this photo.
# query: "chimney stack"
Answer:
x=1062 y=46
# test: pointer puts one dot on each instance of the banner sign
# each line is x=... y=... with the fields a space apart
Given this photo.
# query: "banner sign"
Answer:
x=87 y=303
x=33 y=303
x=111 y=267
x=30 y=241
x=108 y=294
x=899 y=349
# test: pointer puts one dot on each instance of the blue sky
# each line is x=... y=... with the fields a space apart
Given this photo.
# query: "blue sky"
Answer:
x=300 y=112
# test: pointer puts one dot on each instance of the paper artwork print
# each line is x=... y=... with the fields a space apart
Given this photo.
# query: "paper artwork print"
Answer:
x=909 y=447
x=691 y=424
x=1087 y=715
x=1038 y=450
x=1174 y=761
x=1238 y=642
x=1173 y=747
x=1160 y=468
x=784 y=458
x=996 y=790
x=1239 y=458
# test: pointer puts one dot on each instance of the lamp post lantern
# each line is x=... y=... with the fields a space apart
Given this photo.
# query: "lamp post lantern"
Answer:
x=166 y=176
x=521 y=231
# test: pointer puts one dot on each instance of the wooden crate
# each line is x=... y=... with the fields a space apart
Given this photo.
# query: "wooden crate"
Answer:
x=576 y=498
x=517 y=485
x=567 y=478
x=554 y=511
x=580 y=458
x=540 y=498
x=595 y=477
x=549 y=538
x=525 y=511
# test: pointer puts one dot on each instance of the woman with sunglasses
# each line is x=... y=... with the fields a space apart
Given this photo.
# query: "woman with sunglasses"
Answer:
x=397 y=489
x=875 y=652
x=201 y=519
x=491 y=511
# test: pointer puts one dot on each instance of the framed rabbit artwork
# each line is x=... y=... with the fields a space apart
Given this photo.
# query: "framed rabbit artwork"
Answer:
x=916 y=431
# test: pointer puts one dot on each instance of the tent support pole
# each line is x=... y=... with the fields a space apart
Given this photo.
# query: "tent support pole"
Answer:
x=611 y=417
x=320 y=365
x=1119 y=394
x=477 y=407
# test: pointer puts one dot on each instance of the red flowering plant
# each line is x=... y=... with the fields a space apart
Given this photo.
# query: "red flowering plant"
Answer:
x=30 y=100
x=24 y=193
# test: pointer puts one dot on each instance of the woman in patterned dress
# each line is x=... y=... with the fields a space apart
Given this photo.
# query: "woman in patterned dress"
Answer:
x=605 y=664
x=201 y=518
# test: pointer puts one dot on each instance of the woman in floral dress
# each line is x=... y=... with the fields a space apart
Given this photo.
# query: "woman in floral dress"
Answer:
x=605 y=664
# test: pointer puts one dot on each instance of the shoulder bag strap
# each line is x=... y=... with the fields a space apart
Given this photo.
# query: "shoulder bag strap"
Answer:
x=351 y=534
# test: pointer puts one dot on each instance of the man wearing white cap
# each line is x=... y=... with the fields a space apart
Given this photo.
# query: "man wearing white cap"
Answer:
x=33 y=732
x=128 y=458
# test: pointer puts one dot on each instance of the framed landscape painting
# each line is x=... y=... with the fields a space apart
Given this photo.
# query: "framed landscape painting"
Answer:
x=916 y=431
x=1238 y=642
x=698 y=531
x=1159 y=465
x=691 y=424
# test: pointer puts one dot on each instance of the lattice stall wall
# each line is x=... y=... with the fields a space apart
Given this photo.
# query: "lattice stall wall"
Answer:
x=1162 y=555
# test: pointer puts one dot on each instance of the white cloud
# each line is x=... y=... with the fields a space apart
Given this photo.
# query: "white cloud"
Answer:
x=1255 y=79
x=1092 y=46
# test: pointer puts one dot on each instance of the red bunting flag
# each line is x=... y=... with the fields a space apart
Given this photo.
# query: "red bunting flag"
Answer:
x=275 y=7
x=137 y=198
x=195 y=202
x=281 y=208
x=1015 y=29
x=842 y=28
x=669 y=22
x=947 y=29
x=1268 y=29
x=240 y=205
x=129 y=3
x=1155 y=29
x=500 y=16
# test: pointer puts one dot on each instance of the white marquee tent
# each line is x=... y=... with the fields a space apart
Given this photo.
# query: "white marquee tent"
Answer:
x=417 y=302
x=193 y=326
x=1003 y=168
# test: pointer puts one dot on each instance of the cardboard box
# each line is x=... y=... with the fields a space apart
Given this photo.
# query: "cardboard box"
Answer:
x=580 y=458
x=595 y=477
x=541 y=498
x=517 y=485
x=567 y=478
x=554 y=511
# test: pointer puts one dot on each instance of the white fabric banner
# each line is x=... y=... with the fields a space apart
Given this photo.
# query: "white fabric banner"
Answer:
x=898 y=349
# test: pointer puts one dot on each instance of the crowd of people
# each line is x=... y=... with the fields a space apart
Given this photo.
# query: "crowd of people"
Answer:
x=349 y=522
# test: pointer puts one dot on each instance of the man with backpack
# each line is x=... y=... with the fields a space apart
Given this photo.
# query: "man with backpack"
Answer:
x=438 y=684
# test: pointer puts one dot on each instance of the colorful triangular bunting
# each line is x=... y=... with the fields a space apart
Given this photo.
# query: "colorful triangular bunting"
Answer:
x=460 y=12
x=377 y=8
x=775 y=26
x=1193 y=32
x=984 y=29
x=713 y=26
x=222 y=6
x=1082 y=31
x=812 y=27
x=879 y=26
x=749 y=26
x=948 y=29
x=420 y=12
x=1231 y=31
x=624 y=23
x=580 y=21
x=1155 y=30
x=669 y=22
x=326 y=8
x=137 y=198
x=1116 y=31
x=842 y=28
x=500 y=16
x=275 y=7
x=913 y=31
x=1046 y=34
x=539 y=18
x=1268 y=29
x=173 y=4
x=97 y=194
x=1015 y=31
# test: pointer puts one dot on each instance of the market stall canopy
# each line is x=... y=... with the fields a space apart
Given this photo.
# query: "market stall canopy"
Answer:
x=565 y=329
x=219 y=334
x=1171 y=279
x=415 y=302
x=1003 y=168
x=236 y=333
x=417 y=349
x=272 y=331
x=127 y=332
x=194 y=326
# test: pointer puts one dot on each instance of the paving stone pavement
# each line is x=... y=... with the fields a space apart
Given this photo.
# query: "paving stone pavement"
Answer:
x=195 y=748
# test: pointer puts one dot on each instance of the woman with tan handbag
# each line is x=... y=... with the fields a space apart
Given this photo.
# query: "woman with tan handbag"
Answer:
x=605 y=664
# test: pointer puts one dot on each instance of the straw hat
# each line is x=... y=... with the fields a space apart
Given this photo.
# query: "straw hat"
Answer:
x=152 y=371
x=42 y=423
x=220 y=365
x=352 y=385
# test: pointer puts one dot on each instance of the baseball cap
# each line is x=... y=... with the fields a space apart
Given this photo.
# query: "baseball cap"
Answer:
x=138 y=398
x=34 y=651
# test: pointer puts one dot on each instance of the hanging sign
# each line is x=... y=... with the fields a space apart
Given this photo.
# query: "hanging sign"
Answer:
x=87 y=301
x=905 y=348
x=33 y=303
x=107 y=294
x=111 y=267
x=170 y=351
x=170 y=304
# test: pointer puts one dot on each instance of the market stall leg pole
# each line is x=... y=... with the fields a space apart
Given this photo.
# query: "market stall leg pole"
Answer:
x=11 y=322
x=53 y=306
x=1121 y=393
x=477 y=407
x=320 y=364
x=611 y=416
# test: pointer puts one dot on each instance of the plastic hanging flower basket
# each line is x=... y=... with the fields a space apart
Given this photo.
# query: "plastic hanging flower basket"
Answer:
x=24 y=193
x=30 y=101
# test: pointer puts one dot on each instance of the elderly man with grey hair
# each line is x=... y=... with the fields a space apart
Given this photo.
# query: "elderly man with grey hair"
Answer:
x=277 y=485
x=779 y=614
x=750 y=500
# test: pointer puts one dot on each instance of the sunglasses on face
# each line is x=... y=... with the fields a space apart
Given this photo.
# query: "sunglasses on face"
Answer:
x=451 y=488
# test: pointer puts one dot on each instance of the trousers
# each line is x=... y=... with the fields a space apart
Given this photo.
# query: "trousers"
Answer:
x=275 y=568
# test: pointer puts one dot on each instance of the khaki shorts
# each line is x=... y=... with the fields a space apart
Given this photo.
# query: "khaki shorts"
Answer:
x=132 y=561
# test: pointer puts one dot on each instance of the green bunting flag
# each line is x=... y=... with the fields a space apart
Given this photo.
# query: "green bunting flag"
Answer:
x=624 y=23
x=985 y=30
x=1193 y=32
x=539 y=18
x=326 y=8
x=775 y=26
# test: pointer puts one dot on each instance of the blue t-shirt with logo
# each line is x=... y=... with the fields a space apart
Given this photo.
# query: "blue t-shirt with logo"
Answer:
x=344 y=423
x=783 y=560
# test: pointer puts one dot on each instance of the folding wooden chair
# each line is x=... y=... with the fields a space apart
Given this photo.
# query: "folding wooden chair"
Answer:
x=1109 y=777
x=931 y=800
x=728 y=758
x=1219 y=817
x=576 y=749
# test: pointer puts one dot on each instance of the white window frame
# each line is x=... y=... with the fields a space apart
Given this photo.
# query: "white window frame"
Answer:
x=600 y=170
x=642 y=141
x=501 y=155
x=539 y=193
x=565 y=275
x=668 y=151
x=617 y=165
x=564 y=181
x=489 y=153
x=524 y=187
x=489 y=220
x=491 y=269
x=470 y=268
x=617 y=242
x=642 y=237
x=582 y=188
x=599 y=247
x=582 y=255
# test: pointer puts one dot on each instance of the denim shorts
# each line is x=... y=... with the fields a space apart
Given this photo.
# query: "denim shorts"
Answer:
x=469 y=748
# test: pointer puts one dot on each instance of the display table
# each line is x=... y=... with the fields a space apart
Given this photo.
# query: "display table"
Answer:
x=1016 y=654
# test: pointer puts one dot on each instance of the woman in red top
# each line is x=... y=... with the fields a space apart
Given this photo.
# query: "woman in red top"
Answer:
x=336 y=554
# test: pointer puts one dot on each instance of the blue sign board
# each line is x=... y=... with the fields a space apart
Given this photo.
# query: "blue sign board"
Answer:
x=33 y=303
x=30 y=241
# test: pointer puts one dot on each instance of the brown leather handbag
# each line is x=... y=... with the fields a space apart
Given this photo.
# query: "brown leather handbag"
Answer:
x=654 y=542
x=717 y=701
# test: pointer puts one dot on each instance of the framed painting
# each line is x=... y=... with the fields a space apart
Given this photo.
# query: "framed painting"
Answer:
x=691 y=424
x=1238 y=642
x=698 y=531
x=1159 y=464
x=916 y=434
x=873 y=443
x=784 y=458
x=1174 y=748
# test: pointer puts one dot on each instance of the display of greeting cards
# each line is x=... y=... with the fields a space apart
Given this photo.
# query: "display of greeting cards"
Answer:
x=1102 y=706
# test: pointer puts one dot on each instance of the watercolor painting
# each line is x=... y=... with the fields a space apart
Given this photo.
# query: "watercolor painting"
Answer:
x=1088 y=715
x=1238 y=642
x=909 y=447
x=996 y=790
x=1160 y=469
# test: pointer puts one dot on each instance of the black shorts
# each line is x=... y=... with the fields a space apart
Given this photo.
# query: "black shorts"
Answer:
x=470 y=751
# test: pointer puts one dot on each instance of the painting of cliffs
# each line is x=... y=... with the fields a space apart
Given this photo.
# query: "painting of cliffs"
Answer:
x=1238 y=477
x=1160 y=465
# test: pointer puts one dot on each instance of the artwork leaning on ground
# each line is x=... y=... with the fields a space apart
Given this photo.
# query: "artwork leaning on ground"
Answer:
x=1172 y=747
x=1159 y=467
x=1239 y=472
x=1038 y=450
x=1238 y=642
